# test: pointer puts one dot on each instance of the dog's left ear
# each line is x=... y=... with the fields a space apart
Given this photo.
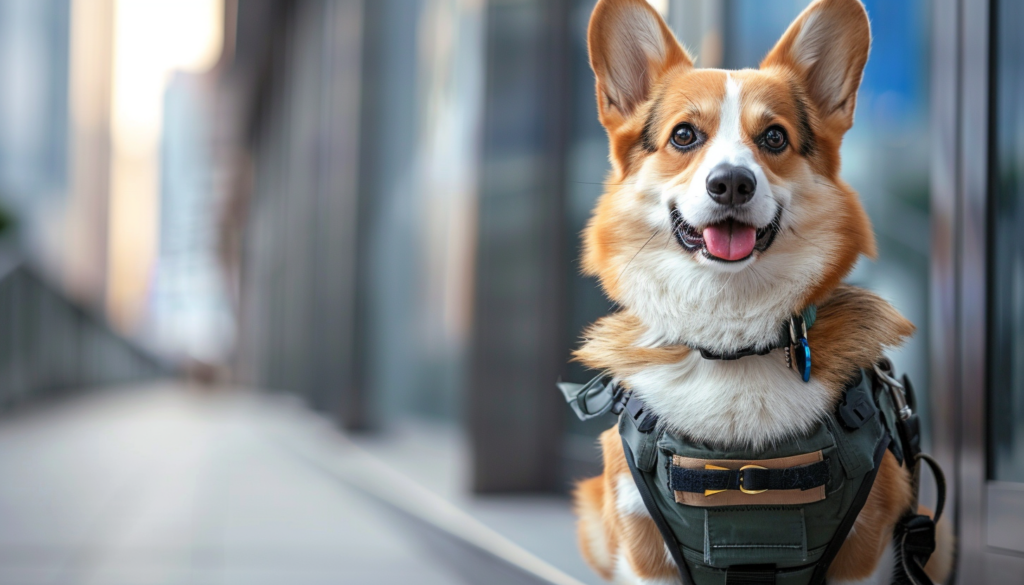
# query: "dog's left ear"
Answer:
x=827 y=47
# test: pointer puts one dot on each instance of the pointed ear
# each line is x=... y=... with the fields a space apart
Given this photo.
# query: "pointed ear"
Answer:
x=827 y=46
x=630 y=48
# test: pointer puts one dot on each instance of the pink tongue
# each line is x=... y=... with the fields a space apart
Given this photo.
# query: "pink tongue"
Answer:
x=730 y=240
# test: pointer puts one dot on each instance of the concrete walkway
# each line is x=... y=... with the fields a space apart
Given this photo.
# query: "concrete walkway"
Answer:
x=168 y=485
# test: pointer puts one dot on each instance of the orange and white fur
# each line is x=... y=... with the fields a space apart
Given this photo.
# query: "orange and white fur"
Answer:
x=723 y=215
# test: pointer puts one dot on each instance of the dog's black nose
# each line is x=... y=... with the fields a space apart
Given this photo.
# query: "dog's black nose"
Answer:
x=731 y=185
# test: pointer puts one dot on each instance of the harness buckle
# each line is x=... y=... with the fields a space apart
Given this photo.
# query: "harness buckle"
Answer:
x=856 y=408
x=745 y=490
x=595 y=398
x=740 y=470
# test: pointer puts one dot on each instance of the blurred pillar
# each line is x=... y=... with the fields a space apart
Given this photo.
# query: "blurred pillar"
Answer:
x=338 y=377
x=294 y=90
x=519 y=342
x=385 y=224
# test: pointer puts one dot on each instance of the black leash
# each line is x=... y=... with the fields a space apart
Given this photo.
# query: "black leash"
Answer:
x=914 y=535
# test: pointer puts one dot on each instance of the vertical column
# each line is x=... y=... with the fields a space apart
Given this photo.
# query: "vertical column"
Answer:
x=519 y=343
x=387 y=222
x=974 y=133
x=338 y=219
x=943 y=343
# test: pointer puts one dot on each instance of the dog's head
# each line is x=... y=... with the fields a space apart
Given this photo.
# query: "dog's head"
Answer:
x=724 y=212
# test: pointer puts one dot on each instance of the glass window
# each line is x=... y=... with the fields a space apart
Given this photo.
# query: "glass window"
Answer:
x=1006 y=339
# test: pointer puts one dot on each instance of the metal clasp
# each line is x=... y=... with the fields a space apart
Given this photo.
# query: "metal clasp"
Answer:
x=792 y=329
x=745 y=490
x=896 y=389
x=742 y=489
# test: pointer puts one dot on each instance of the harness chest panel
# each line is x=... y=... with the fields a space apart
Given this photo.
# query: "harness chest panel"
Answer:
x=774 y=516
x=748 y=524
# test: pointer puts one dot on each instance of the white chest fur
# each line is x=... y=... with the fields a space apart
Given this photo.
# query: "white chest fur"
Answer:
x=751 y=402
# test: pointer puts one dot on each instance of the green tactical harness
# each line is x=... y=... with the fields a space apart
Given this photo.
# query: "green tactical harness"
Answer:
x=777 y=515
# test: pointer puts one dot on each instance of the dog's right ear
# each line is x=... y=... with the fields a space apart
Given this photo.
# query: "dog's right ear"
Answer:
x=630 y=48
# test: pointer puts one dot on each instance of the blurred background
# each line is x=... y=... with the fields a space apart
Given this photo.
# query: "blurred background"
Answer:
x=285 y=285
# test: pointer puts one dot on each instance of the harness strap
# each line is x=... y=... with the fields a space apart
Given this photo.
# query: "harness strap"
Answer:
x=750 y=575
x=750 y=478
x=659 y=520
x=839 y=538
x=915 y=534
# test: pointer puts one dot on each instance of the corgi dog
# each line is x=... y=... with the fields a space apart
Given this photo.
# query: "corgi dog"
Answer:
x=723 y=215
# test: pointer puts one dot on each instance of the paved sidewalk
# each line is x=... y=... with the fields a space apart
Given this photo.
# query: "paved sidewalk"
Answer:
x=437 y=455
x=169 y=485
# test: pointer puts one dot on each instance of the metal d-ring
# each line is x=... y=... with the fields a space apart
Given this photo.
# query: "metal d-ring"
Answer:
x=745 y=490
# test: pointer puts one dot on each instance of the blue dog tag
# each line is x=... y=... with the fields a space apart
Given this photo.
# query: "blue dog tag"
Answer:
x=802 y=355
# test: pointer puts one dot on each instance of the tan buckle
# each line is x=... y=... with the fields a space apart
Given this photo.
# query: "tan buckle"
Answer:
x=745 y=490
x=742 y=489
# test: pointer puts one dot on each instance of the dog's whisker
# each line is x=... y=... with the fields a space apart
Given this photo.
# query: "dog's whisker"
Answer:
x=778 y=224
x=624 y=268
x=600 y=184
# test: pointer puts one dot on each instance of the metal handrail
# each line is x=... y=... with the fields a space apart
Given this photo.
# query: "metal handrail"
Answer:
x=51 y=344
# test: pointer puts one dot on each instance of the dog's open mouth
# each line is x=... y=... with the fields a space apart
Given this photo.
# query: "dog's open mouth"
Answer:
x=725 y=241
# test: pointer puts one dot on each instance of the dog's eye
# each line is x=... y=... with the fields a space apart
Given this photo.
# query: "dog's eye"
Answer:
x=684 y=136
x=775 y=138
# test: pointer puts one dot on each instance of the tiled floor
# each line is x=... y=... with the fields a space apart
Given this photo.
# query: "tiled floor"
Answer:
x=163 y=485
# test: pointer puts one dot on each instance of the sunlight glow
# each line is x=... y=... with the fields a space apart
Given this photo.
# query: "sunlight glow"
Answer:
x=152 y=38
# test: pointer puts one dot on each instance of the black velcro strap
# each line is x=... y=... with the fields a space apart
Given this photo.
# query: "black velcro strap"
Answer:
x=750 y=575
x=803 y=477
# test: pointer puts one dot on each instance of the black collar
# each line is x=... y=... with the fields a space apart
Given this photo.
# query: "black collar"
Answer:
x=792 y=337
x=794 y=328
